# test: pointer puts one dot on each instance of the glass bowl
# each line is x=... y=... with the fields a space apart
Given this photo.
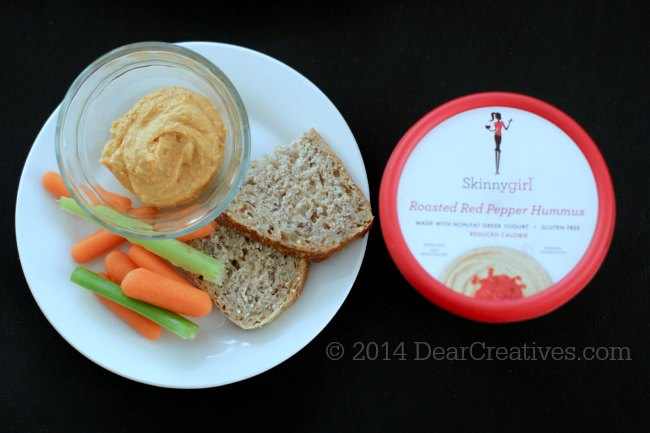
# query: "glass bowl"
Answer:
x=104 y=92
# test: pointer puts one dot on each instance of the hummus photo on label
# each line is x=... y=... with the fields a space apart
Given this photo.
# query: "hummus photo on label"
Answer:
x=496 y=273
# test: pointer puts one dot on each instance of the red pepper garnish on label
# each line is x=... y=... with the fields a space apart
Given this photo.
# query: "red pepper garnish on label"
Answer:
x=497 y=287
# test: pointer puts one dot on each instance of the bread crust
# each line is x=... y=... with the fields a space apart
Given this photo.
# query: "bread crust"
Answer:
x=310 y=255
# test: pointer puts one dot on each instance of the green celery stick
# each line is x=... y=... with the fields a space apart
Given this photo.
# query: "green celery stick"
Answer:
x=179 y=325
x=177 y=252
x=71 y=206
x=184 y=256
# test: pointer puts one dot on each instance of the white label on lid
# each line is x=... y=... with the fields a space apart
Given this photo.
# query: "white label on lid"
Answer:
x=505 y=235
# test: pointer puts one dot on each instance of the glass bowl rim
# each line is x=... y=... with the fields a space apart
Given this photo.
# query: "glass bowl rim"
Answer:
x=240 y=109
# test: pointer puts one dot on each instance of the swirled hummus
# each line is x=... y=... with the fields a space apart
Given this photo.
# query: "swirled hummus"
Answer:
x=167 y=147
x=496 y=273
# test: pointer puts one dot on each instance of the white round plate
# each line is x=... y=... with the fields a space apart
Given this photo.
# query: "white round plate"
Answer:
x=281 y=105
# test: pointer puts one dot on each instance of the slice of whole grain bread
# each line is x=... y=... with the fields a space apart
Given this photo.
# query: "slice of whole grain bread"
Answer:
x=301 y=200
x=260 y=282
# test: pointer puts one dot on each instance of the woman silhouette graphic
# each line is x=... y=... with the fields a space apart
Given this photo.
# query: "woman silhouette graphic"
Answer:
x=498 y=127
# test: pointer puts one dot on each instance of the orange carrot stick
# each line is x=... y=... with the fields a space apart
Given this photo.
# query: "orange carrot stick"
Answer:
x=94 y=245
x=92 y=197
x=148 y=260
x=117 y=265
x=143 y=211
x=105 y=275
x=163 y=292
x=53 y=182
x=119 y=202
x=141 y=324
x=200 y=233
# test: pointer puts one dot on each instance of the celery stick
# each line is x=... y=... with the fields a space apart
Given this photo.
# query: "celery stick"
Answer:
x=179 y=325
x=71 y=206
x=177 y=252
x=121 y=220
x=184 y=256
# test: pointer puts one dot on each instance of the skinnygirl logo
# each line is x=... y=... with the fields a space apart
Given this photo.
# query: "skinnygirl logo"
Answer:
x=497 y=127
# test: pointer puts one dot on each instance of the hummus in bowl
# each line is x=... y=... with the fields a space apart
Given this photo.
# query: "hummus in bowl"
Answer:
x=167 y=148
x=496 y=273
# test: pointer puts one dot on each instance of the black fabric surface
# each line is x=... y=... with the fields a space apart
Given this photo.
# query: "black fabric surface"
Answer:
x=384 y=65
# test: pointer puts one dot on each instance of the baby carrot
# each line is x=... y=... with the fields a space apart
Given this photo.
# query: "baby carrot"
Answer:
x=200 y=233
x=148 y=260
x=94 y=245
x=116 y=201
x=53 y=182
x=179 y=325
x=163 y=292
x=141 y=324
x=117 y=265
x=143 y=212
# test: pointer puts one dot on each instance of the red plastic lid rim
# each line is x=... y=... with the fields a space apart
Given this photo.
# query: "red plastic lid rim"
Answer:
x=507 y=310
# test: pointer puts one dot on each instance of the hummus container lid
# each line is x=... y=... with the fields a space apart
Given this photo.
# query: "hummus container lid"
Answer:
x=497 y=207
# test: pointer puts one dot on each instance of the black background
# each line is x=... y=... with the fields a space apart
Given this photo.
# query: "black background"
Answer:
x=384 y=65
